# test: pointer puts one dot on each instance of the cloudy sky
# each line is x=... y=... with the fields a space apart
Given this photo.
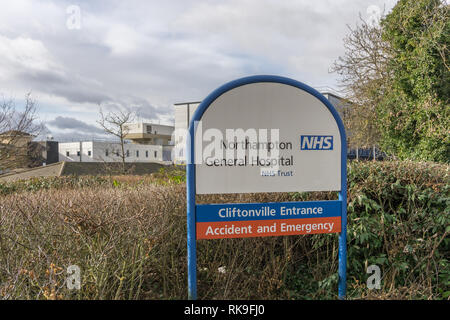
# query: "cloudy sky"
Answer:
x=75 y=56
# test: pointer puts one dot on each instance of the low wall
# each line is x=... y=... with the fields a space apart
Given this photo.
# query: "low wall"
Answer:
x=85 y=168
x=102 y=168
x=51 y=170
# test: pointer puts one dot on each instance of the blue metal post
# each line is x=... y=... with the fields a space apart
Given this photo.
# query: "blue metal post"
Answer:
x=343 y=249
x=342 y=289
x=191 y=231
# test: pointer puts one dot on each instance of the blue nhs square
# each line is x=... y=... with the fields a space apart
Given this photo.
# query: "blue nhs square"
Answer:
x=312 y=142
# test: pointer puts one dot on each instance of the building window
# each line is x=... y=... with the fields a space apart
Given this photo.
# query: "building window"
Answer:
x=146 y=153
x=67 y=153
x=149 y=129
x=156 y=154
x=107 y=152
x=89 y=153
x=137 y=153
x=128 y=153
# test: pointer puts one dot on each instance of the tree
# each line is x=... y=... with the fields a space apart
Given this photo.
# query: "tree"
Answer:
x=363 y=71
x=17 y=129
x=397 y=76
x=114 y=123
x=414 y=115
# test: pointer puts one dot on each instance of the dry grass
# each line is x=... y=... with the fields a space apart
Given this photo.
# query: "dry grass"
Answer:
x=128 y=236
x=128 y=242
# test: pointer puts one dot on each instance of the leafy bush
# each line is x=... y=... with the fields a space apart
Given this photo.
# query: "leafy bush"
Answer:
x=414 y=115
x=128 y=236
x=36 y=184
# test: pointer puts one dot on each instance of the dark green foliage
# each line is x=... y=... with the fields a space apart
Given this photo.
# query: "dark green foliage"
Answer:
x=414 y=114
x=128 y=236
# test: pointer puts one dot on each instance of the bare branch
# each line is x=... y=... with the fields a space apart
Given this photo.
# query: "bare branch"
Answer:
x=17 y=129
x=114 y=123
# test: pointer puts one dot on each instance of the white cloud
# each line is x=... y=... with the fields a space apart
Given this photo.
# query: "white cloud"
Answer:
x=149 y=54
x=24 y=54
x=123 y=39
x=302 y=37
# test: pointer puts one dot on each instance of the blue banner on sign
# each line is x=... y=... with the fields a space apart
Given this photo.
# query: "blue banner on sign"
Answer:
x=268 y=211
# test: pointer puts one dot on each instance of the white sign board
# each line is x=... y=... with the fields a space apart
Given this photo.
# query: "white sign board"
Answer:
x=288 y=141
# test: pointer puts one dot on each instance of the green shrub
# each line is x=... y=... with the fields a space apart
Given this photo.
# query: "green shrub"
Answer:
x=128 y=236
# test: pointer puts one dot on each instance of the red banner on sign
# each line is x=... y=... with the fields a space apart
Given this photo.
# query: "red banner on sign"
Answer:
x=267 y=228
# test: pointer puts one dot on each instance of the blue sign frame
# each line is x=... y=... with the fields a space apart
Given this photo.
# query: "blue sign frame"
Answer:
x=190 y=176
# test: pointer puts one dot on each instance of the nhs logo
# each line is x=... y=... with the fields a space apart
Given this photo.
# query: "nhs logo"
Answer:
x=309 y=142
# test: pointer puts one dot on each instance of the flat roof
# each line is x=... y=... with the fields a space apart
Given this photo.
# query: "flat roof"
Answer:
x=182 y=103
x=151 y=123
x=324 y=91
x=332 y=94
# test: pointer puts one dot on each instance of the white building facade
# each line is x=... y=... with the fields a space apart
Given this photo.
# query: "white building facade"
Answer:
x=148 y=133
x=144 y=142
x=100 y=151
